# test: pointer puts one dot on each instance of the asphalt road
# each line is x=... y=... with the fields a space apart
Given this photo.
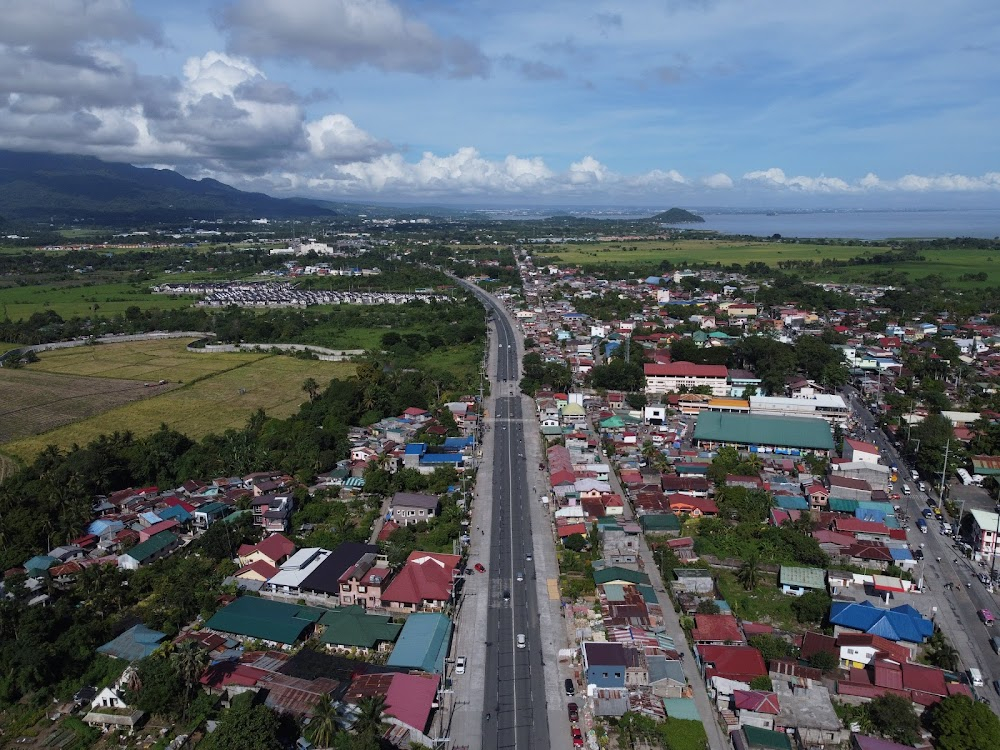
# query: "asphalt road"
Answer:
x=515 y=695
x=957 y=604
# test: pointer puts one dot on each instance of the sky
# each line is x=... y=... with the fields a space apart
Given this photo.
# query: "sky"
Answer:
x=756 y=103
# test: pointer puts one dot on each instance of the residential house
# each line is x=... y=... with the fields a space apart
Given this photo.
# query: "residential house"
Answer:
x=858 y=450
x=362 y=583
x=604 y=664
x=425 y=582
x=716 y=629
x=797 y=581
x=152 y=549
x=413 y=507
x=274 y=550
x=109 y=710
x=273 y=512
x=756 y=708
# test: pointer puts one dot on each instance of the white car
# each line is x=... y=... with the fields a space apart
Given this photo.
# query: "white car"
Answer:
x=460 y=665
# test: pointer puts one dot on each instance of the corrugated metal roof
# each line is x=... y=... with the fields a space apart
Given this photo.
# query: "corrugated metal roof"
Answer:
x=750 y=429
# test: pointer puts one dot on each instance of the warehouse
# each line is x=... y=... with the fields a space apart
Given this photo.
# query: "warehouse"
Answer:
x=792 y=436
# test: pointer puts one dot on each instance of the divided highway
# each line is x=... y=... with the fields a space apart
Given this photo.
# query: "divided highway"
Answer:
x=514 y=699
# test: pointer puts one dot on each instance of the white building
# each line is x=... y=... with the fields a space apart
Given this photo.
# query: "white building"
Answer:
x=670 y=378
x=832 y=408
x=860 y=451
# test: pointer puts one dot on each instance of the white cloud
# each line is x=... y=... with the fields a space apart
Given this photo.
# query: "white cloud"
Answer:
x=337 y=138
x=586 y=171
x=871 y=182
x=775 y=177
x=347 y=34
x=719 y=180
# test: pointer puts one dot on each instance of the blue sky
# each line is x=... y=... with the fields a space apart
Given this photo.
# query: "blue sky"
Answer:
x=675 y=102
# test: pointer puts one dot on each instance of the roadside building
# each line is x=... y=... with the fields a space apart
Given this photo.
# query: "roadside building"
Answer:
x=670 y=378
x=764 y=434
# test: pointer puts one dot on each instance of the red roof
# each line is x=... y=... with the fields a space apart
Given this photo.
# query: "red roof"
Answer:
x=894 y=651
x=426 y=576
x=156 y=528
x=870 y=551
x=276 y=547
x=861 y=446
x=387 y=528
x=740 y=663
x=686 y=370
x=570 y=529
x=224 y=673
x=260 y=567
x=925 y=679
x=758 y=701
x=857 y=526
x=715 y=628
x=173 y=502
x=408 y=697
x=690 y=503
x=849 y=483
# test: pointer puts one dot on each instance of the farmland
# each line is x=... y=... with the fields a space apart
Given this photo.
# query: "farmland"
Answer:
x=219 y=391
x=948 y=263
x=82 y=299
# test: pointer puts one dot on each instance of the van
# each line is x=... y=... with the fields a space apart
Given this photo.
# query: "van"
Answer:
x=906 y=489
x=986 y=616
x=520 y=640
x=976 y=677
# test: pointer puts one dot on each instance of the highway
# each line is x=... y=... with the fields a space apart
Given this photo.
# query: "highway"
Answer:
x=514 y=710
x=957 y=604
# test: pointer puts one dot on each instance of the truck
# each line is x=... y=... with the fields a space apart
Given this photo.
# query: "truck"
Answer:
x=976 y=677
x=922 y=525
x=964 y=476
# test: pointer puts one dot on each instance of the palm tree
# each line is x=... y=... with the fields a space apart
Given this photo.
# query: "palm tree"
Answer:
x=748 y=574
x=190 y=661
x=370 y=710
x=323 y=724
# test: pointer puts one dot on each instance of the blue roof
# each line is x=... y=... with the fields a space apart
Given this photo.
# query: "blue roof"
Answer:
x=652 y=280
x=415 y=449
x=423 y=643
x=40 y=562
x=867 y=514
x=150 y=517
x=442 y=458
x=134 y=644
x=900 y=553
x=902 y=623
x=99 y=527
x=457 y=443
x=176 y=512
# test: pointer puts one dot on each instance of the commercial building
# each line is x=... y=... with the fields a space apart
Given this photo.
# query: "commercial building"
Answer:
x=832 y=408
x=984 y=531
x=764 y=434
x=669 y=378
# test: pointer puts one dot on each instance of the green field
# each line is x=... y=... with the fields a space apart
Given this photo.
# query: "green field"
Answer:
x=220 y=391
x=950 y=264
x=81 y=299
x=5 y=347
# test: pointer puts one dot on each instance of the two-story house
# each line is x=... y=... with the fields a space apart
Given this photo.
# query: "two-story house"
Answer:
x=604 y=664
x=413 y=507
x=272 y=512
x=363 y=582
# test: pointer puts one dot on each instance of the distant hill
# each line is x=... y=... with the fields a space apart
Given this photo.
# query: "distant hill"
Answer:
x=678 y=216
x=38 y=186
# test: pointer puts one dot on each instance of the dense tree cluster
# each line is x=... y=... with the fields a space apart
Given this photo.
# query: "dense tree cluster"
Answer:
x=538 y=374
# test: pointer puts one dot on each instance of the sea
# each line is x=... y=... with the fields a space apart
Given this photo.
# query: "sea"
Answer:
x=861 y=225
x=831 y=223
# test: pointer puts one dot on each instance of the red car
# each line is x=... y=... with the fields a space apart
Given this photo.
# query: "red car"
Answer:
x=480 y=568
x=574 y=712
x=577 y=737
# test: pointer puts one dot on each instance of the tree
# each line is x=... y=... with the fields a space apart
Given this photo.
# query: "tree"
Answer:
x=370 y=712
x=940 y=652
x=159 y=686
x=245 y=726
x=894 y=719
x=575 y=542
x=812 y=606
x=825 y=661
x=311 y=387
x=189 y=661
x=762 y=682
x=749 y=572
x=707 y=607
x=958 y=723
x=323 y=724
x=771 y=646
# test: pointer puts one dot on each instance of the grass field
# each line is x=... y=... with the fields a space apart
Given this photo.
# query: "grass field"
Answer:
x=80 y=299
x=166 y=359
x=949 y=264
x=5 y=347
x=226 y=390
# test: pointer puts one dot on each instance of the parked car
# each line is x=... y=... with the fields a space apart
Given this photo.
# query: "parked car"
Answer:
x=468 y=571
x=506 y=596
x=570 y=688
x=574 y=712
x=460 y=665
x=480 y=568
x=577 y=737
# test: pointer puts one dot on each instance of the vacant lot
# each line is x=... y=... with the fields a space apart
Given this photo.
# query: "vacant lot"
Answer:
x=35 y=402
x=163 y=359
x=82 y=298
x=219 y=391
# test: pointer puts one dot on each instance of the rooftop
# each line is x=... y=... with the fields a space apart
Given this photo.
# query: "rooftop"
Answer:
x=751 y=429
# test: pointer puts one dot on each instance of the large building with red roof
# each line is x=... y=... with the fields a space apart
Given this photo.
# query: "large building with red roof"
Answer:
x=425 y=582
x=669 y=378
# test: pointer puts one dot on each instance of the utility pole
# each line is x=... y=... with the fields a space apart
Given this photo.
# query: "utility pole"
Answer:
x=944 y=472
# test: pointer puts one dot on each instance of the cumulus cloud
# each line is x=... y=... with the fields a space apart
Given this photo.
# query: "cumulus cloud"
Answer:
x=587 y=170
x=336 y=138
x=719 y=181
x=910 y=183
x=775 y=177
x=347 y=34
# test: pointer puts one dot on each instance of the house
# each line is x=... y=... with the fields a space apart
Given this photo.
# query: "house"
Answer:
x=409 y=699
x=426 y=581
x=902 y=623
x=152 y=549
x=423 y=643
x=797 y=581
x=207 y=514
x=323 y=580
x=755 y=708
x=280 y=624
x=858 y=450
x=108 y=709
x=818 y=496
x=353 y=628
x=734 y=663
x=716 y=629
x=413 y=507
x=272 y=512
x=808 y=710
x=134 y=644
x=362 y=582
x=858 y=650
x=666 y=676
x=693 y=506
x=604 y=664
x=273 y=550
x=851 y=489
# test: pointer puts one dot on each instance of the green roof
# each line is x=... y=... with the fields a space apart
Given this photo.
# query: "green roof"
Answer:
x=765 y=738
x=423 y=643
x=155 y=544
x=614 y=574
x=236 y=516
x=659 y=522
x=212 y=508
x=755 y=429
x=612 y=423
x=647 y=593
x=253 y=617
x=843 y=505
x=806 y=578
x=352 y=626
x=681 y=708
